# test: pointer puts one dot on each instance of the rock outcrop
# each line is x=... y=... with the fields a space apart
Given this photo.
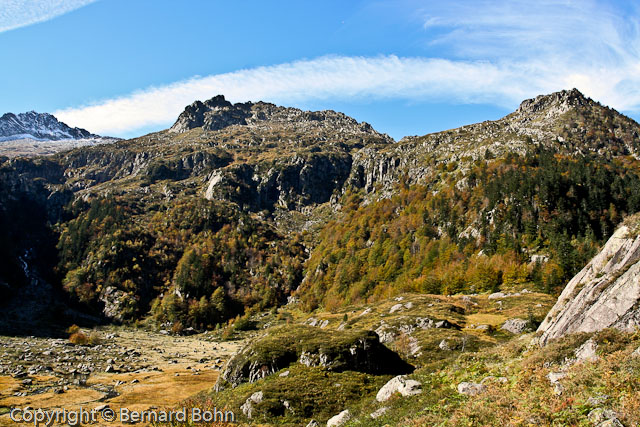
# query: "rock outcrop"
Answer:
x=606 y=293
x=332 y=351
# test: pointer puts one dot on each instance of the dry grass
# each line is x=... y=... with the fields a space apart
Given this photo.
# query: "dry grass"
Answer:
x=164 y=389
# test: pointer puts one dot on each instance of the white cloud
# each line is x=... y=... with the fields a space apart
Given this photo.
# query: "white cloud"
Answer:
x=20 y=13
x=503 y=52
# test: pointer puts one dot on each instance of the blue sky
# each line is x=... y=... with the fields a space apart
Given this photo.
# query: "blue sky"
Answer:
x=128 y=67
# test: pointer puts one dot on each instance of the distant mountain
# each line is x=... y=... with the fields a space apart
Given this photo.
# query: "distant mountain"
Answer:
x=38 y=126
x=32 y=133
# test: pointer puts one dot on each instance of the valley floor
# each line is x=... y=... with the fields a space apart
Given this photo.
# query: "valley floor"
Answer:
x=131 y=368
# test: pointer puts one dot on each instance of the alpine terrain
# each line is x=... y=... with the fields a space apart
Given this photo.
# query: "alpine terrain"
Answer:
x=307 y=269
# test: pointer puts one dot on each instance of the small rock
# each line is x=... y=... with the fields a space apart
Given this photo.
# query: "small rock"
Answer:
x=445 y=324
x=636 y=353
x=284 y=374
x=247 y=407
x=28 y=381
x=515 y=326
x=555 y=377
x=558 y=389
x=597 y=400
x=471 y=389
x=497 y=295
x=339 y=419
x=400 y=385
x=599 y=415
x=379 y=412
x=365 y=312
x=396 y=308
x=135 y=381
x=501 y=380
x=313 y=423
x=101 y=407
x=613 y=422
x=587 y=352
x=444 y=345
x=408 y=305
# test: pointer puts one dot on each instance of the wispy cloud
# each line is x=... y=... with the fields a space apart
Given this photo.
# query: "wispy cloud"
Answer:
x=20 y=13
x=499 y=52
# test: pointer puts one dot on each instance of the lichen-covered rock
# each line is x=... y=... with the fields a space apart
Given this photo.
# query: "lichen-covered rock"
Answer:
x=606 y=293
x=471 y=389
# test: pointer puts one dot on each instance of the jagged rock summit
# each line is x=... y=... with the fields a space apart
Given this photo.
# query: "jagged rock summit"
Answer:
x=38 y=126
x=555 y=103
x=218 y=113
x=606 y=293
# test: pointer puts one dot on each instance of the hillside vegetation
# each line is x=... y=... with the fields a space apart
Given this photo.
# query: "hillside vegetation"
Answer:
x=474 y=232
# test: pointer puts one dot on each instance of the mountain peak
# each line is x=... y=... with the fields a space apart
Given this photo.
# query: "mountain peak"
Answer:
x=557 y=102
x=39 y=126
x=217 y=113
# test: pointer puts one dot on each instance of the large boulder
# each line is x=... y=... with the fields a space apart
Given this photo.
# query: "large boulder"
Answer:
x=606 y=293
x=336 y=351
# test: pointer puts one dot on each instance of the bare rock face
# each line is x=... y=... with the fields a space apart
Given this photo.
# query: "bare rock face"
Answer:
x=606 y=293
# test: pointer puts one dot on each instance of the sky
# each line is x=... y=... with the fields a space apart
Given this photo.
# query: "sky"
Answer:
x=128 y=67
